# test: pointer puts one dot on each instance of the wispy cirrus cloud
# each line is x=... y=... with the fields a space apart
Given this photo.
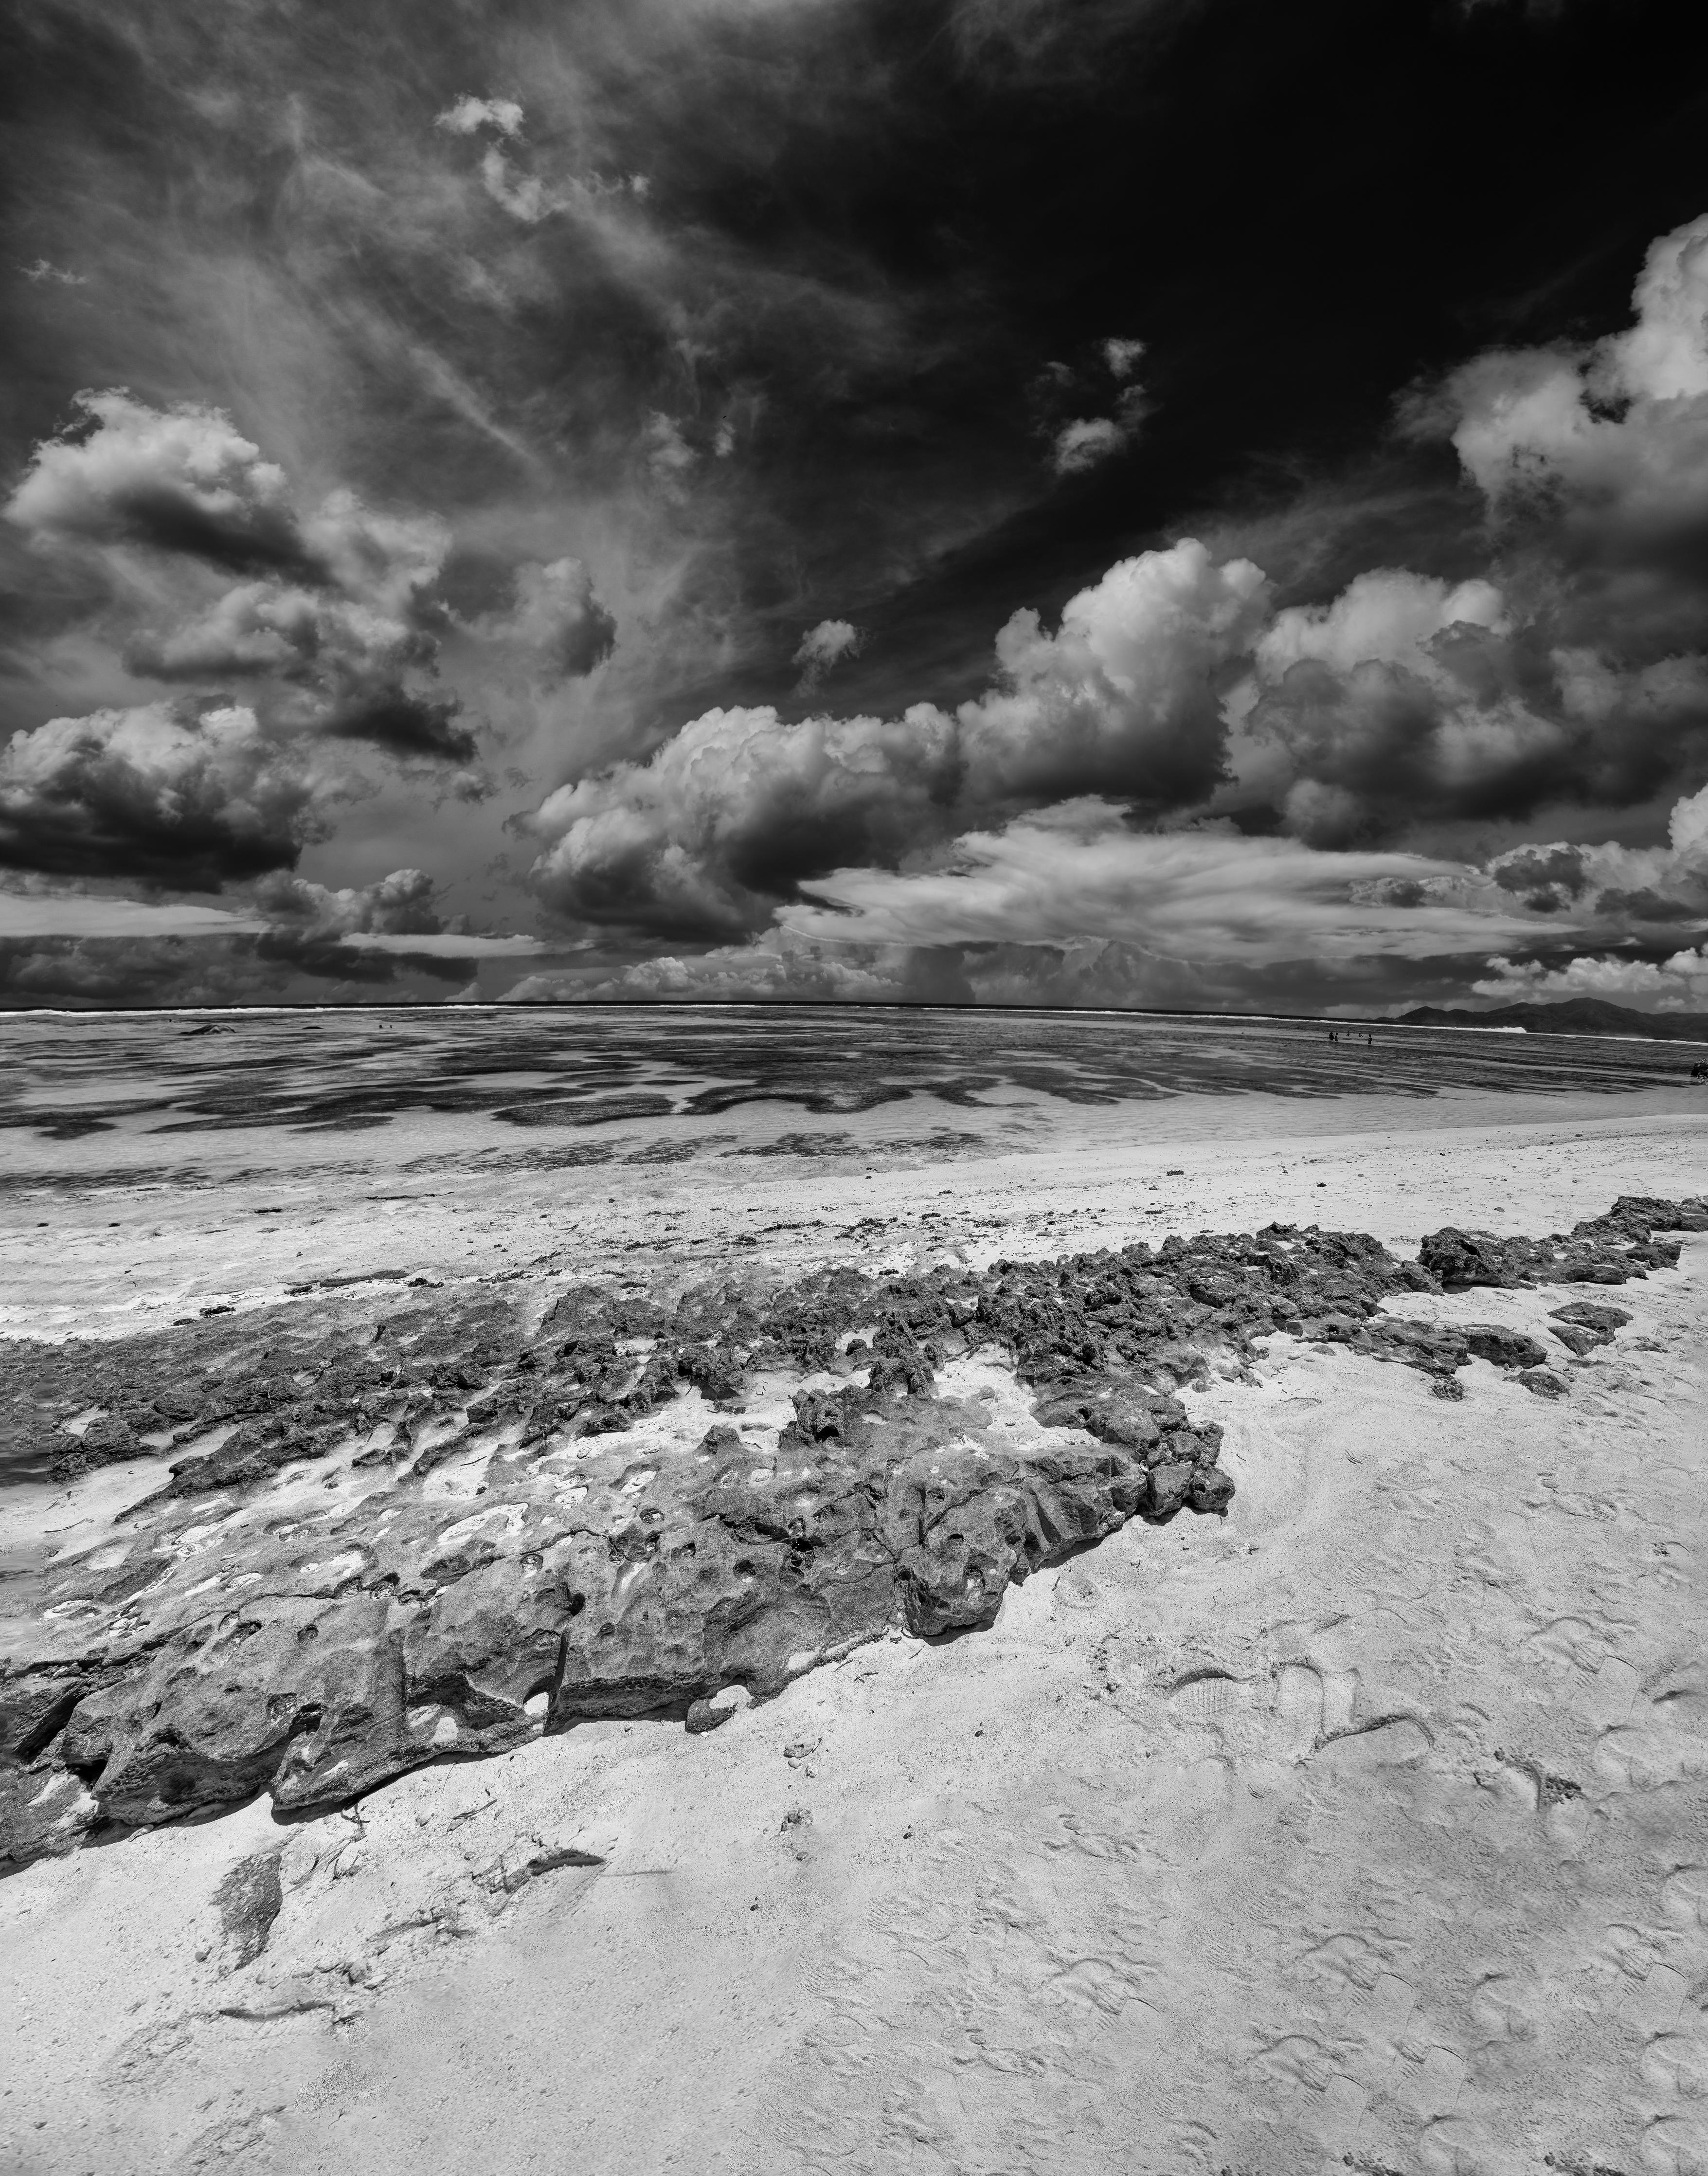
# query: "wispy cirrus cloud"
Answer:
x=1077 y=871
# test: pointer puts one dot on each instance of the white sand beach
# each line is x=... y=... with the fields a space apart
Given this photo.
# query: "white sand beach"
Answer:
x=1363 y=1828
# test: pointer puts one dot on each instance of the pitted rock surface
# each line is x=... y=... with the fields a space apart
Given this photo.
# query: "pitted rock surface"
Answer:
x=385 y=1534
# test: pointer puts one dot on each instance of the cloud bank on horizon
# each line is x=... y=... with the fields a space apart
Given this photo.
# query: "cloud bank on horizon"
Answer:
x=661 y=506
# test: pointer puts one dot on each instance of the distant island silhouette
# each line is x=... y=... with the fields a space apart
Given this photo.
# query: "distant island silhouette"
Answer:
x=1568 y=1016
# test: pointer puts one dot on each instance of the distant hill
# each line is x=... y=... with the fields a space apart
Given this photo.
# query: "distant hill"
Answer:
x=1570 y=1016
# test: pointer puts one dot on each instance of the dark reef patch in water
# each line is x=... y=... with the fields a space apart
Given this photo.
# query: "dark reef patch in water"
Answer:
x=588 y=1066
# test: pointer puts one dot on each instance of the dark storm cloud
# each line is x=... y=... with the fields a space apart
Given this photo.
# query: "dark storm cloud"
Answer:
x=117 y=971
x=1532 y=869
x=192 y=801
x=327 y=960
x=338 y=662
x=1362 y=718
x=1070 y=906
x=322 y=643
x=309 y=945
x=404 y=724
x=282 y=967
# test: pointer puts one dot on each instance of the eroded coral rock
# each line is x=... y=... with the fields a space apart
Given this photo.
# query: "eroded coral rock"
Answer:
x=1609 y=1250
x=1591 y=1314
x=378 y=1543
x=1579 y=1341
x=1505 y=1348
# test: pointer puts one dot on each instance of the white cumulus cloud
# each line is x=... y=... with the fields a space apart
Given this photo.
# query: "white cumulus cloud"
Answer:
x=395 y=905
x=334 y=605
x=720 y=823
x=182 y=479
x=1125 y=697
x=1678 y=984
x=1600 y=455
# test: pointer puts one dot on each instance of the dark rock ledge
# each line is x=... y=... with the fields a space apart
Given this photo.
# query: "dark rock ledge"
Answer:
x=432 y=1534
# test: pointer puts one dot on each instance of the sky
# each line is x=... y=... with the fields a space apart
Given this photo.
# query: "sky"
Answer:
x=1183 y=503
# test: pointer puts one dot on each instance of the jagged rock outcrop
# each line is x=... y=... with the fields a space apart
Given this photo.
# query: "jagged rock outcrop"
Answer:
x=378 y=1542
x=1602 y=1250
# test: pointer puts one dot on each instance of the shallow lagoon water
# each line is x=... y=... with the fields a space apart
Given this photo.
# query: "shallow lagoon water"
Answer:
x=68 y=1076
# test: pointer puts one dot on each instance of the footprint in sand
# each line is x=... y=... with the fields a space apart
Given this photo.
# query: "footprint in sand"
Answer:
x=1298 y=1707
x=1675 y=2145
x=1388 y=1742
x=1663 y=1740
x=1308 y=1712
x=1677 y=2063
x=1449 y=2145
x=1654 y=2005
x=1681 y=1695
x=1318 y=1709
x=1209 y=1697
x=1379 y=2015
x=1500 y=2010
x=1341 y=1691
x=1609 y=1697
x=1433 y=2089
x=1684 y=1896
